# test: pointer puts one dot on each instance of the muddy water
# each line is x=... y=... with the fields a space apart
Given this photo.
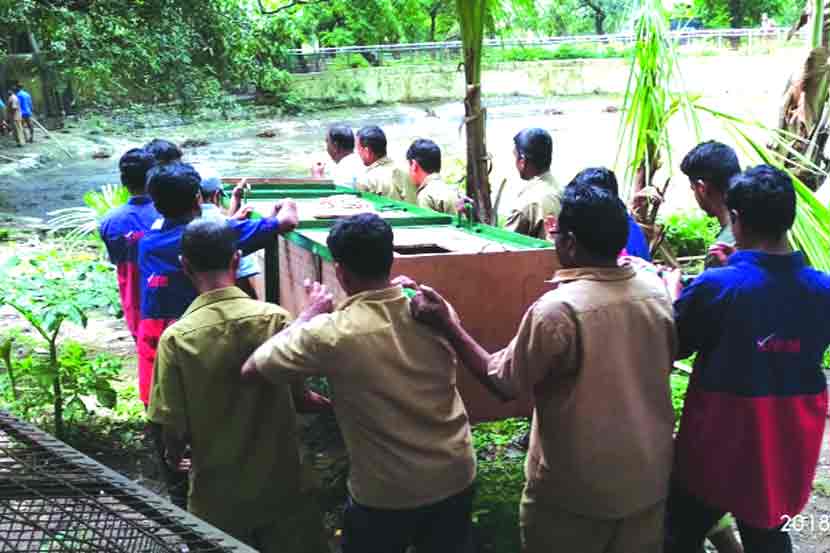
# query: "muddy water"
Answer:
x=585 y=131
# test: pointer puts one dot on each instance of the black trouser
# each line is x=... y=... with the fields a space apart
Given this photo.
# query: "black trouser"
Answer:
x=445 y=527
x=689 y=520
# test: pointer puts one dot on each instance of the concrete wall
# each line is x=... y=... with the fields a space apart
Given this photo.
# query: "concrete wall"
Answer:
x=707 y=75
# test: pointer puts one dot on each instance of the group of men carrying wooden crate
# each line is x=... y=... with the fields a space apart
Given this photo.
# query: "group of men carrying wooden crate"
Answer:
x=222 y=373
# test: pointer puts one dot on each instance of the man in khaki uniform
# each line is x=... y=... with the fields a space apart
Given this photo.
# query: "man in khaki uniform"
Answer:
x=395 y=398
x=382 y=176
x=538 y=196
x=246 y=475
x=15 y=117
x=595 y=353
x=424 y=158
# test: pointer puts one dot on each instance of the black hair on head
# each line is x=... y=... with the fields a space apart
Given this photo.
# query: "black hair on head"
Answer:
x=363 y=245
x=597 y=219
x=600 y=177
x=208 y=244
x=134 y=166
x=764 y=197
x=373 y=138
x=173 y=187
x=712 y=162
x=164 y=150
x=342 y=136
x=536 y=146
x=427 y=154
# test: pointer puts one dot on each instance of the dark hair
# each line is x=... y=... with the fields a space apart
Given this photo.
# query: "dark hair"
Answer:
x=712 y=162
x=536 y=146
x=374 y=139
x=164 y=150
x=597 y=218
x=173 y=187
x=134 y=166
x=764 y=197
x=17 y=86
x=342 y=137
x=208 y=245
x=600 y=177
x=427 y=154
x=363 y=245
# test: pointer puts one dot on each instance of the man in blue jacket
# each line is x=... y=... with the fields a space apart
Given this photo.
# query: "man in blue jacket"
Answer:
x=25 y=110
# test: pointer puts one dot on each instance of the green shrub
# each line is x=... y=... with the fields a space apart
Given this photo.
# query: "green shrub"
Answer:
x=690 y=233
x=348 y=61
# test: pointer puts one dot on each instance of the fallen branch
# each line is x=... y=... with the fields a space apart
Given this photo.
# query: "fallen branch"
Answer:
x=57 y=142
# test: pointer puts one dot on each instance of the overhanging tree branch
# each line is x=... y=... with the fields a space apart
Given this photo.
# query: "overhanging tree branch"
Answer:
x=292 y=4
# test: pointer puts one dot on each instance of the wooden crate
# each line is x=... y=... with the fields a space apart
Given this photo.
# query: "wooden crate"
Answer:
x=491 y=277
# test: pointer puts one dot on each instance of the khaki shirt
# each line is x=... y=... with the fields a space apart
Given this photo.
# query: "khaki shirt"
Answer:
x=394 y=393
x=596 y=354
x=436 y=195
x=384 y=178
x=246 y=464
x=538 y=198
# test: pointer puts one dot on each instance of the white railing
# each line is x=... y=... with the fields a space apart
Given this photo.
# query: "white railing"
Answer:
x=684 y=36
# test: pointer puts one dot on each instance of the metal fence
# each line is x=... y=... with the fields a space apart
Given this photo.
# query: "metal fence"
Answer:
x=302 y=60
x=53 y=498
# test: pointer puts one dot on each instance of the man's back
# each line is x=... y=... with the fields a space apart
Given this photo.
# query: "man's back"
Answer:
x=25 y=103
x=121 y=230
x=384 y=178
x=537 y=199
x=604 y=408
x=246 y=463
x=759 y=327
x=395 y=398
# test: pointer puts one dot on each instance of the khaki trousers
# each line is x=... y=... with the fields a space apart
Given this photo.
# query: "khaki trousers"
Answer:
x=546 y=529
x=299 y=530
x=17 y=129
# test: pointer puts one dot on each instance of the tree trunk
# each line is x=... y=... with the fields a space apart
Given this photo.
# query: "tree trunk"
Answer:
x=57 y=390
x=472 y=14
x=599 y=23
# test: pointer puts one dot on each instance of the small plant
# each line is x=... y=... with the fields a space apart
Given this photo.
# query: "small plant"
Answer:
x=37 y=288
x=348 y=61
x=690 y=233
x=79 y=222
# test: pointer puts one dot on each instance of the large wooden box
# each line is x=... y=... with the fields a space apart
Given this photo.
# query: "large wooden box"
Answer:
x=491 y=277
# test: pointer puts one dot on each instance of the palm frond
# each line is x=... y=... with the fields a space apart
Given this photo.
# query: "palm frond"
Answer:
x=79 y=222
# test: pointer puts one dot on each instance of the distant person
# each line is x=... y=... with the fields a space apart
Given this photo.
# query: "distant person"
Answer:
x=397 y=402
x=124 y=226
x=538 y=195
x=424 y=158
x=26 y=110
x=348 y=167
x=756 y=408
x=382 y=176
x=4 y=127
x=249 y=277
x=14 y=117
x=601 y=440
x=246 y=477
x=601 y=177
x=710 y=166
x=164 y=151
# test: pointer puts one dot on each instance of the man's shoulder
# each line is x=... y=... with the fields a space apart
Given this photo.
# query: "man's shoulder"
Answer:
x=239 y=310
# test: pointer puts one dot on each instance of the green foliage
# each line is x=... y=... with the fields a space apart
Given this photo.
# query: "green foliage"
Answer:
x=690 y=233
x=679 y=385
x=35 y=285
x=348 y=61
x=563 y=52
x=79 y=222
x=728 y=13
x=500 y=482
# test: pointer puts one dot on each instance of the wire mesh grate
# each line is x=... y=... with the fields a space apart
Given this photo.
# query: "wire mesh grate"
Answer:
x=55 y=499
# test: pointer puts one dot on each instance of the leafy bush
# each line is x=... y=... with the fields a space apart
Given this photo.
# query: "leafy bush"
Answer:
x=348 y=61
x=37 y=287
x=690 y=233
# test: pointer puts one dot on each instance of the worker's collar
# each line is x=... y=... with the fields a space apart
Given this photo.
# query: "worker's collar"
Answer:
x=381 y=294
x=429 y=179
x=215 y=296
x=600 y=274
